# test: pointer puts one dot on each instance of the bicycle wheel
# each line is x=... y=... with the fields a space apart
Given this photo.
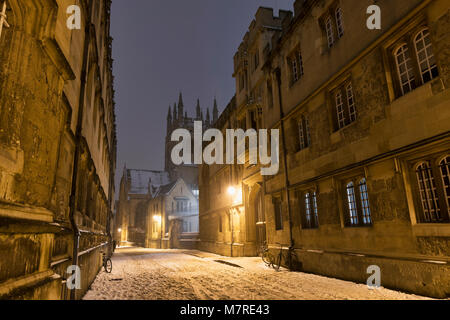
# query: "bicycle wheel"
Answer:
x=267 y=257
x=108 y=265
x=277 y=263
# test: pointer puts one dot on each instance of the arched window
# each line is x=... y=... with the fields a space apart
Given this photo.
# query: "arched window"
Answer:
x=405 y=69
x=339 y=22
x=351 y=103
x=330 y=32
x=425 y=57
x=351 y=201
x=428 y=193
x=444 y=166
x=340 y=109
x=365 y=206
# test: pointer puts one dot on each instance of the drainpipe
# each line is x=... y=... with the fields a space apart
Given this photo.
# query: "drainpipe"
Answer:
x=283 y=141
x=78 y=139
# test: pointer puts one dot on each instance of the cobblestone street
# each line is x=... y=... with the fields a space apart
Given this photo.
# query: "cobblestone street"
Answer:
x=144 y=274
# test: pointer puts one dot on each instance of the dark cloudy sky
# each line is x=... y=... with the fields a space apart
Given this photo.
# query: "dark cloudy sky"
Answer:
x=163 y=46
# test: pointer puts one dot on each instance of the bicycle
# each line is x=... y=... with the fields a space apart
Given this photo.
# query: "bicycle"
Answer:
x=265 y=254
x=107 y=263
x=275 y=262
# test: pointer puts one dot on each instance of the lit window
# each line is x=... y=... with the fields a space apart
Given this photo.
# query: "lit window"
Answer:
x=428 y=193
x=364 y=195
x=339 y=22
x=405 y=69
x=351 y=198
x=425 y=57
x=330 y=32
x=340 y=110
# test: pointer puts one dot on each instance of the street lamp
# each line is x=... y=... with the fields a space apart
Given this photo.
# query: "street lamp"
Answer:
x=231 y=190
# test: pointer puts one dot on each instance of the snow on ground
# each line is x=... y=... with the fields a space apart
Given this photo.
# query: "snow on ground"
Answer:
x=149 y=274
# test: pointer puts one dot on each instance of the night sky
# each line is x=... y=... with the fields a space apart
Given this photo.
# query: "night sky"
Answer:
x=163 y=46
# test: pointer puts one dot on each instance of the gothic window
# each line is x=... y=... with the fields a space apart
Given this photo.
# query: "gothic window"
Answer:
x=405 y=69
x=304 y=133
x=339 y=22
x=425 y=57
x=220 y=223
x=358 y=205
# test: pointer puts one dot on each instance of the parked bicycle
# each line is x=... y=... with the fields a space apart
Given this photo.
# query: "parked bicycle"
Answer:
x=276 y=261
x=107 y=263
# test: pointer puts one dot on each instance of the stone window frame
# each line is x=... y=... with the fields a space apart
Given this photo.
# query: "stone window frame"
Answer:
x=332 y=24
x=406 y=36
x=294 y=62
x=360 y=219
x=347 y=103
x=433 y=160
x=300 y=195
x=303 y=131
x=340 y=183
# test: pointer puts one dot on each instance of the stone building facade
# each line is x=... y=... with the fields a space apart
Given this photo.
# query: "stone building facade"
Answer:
x=143 y=190
x=364 y=120
x=57 y=146
x=172 y=217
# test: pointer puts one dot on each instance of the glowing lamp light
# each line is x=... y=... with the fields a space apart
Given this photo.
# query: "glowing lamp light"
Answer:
x=157 y=218
x=120 y=229
x=231 y=190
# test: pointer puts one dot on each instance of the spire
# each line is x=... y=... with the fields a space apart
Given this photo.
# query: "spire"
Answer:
x=169 y=114
x=174 y=112
x=207 y=117
x=180 y=106
x=198 y=110
x=215 y=111
x=169 y=119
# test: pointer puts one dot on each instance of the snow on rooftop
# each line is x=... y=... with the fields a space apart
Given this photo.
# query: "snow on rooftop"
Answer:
x=139 y=180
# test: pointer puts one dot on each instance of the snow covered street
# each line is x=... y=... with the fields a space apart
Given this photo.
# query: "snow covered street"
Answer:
x=149 y=274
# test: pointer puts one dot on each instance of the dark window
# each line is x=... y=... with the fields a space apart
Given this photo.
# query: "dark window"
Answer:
x=310 y=219
x=344 y=106
x=278 y=214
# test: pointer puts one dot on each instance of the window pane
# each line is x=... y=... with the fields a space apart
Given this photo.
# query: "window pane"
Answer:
x=444 y=166
x=330 y=32
x=404 y=69
x=428 y=193
x=340 y=110
x=339 y=22
x=365 y=202
x=425 y=56
x=351 y=103
x=352 y=204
